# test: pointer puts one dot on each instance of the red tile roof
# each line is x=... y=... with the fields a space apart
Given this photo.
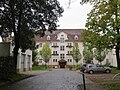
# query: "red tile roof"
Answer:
x=71 y=33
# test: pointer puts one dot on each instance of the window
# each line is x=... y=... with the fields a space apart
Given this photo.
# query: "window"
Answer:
x=48 y=37
x=40 y=60
x=54 y=52
x=69 y=52
x=62 y=40
x=76 y=37
x=62 y=56
x=54 y=44
x=40 y=44
x=62 y=48
x=69 y=60
x=54 y=60
x=69 y=44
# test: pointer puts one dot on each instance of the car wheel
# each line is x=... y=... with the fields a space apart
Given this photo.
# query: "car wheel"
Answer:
x=91 y=71
x=107 y=71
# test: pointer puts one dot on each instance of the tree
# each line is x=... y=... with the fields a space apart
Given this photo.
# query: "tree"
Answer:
x=100 y=54
x=46 y=52
x=76 y=52
x=35 y=16
x=104 y=21
x=88 y=55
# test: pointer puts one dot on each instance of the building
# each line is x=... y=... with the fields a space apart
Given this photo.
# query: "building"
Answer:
x=61 y=43
x=24 y=61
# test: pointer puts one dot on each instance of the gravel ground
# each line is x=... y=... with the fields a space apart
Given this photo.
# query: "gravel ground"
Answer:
x=53 y=80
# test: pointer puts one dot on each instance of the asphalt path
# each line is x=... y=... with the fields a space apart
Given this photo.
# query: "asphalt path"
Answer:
x=52 y=80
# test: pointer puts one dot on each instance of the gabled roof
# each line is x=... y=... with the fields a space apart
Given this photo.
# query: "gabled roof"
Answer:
x=71 y=33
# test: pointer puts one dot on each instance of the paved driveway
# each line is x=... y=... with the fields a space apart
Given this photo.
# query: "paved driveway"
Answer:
x=53 y=80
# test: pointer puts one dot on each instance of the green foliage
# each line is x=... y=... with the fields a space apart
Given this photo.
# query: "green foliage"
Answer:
x=88 y=55
x=24 y=18
x=34 y=54
x=100 y=54
x=76 y=52
x=103 y=25
x=7 y=69
x=115 y=70
x=110 y=85
x=70 y=67
x=27 y=39
x=78 y=67
x=41 y=67
x=35 y=63
x=46 y=52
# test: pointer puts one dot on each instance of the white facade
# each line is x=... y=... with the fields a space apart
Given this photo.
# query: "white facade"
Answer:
x=61 y=46
x=24 y=61
x=64 y=39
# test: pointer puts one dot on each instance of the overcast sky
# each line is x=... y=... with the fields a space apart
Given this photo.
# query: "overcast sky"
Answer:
x=75 y=16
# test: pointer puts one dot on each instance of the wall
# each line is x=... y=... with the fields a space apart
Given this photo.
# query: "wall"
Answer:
x=4 y=49
x=24 y=61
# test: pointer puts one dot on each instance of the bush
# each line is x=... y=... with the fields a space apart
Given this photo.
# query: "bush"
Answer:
x=35 y=63
x=78 y=67
x=7 y=68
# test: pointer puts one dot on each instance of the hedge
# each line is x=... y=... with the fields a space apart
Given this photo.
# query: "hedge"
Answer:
x=7 y=68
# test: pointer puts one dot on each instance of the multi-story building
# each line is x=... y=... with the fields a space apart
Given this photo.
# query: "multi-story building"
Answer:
x=61 y=43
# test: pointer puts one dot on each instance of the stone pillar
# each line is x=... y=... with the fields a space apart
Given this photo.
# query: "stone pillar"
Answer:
x=19 y=62
x=30 y=62
x=25 y=62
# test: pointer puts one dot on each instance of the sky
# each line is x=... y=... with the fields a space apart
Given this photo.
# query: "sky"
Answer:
x=74 y=16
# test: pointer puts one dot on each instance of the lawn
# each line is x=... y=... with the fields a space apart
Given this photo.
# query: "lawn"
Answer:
x=14 y=78
x=115 y=70
x=42 y=67
x=112 y=85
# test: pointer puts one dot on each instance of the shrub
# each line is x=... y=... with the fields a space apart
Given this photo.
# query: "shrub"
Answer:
x=7 y=68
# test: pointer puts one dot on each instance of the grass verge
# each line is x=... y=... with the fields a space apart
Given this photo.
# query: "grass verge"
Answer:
x=14 y=78
x=111 y=85
x=43 y=67
x=115 y=70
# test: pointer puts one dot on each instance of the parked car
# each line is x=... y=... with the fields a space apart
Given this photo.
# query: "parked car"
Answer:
x=92 y=68
x=83 y=68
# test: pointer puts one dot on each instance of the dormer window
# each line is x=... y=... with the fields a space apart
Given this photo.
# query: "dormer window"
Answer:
x=62 y=40
x=76 y=37
x=48 y=37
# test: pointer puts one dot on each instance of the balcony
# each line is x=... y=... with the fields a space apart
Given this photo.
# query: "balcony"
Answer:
x=55 y=46
x=55 y=54
x=69 y=46
x=69 y=54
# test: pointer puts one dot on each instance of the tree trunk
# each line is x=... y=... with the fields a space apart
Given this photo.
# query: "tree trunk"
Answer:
x=117 y=57
x=16 y=48
x=118 y=38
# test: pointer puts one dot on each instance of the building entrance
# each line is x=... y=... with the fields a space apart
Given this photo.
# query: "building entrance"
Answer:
x=62 y=63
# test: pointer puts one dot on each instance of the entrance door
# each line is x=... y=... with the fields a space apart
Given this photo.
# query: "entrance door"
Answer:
x=62 y=63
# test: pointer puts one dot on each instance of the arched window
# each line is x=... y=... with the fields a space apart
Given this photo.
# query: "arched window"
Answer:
x=48 y=37
x=76 y=37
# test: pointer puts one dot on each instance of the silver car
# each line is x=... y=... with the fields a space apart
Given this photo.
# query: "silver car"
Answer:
x=91 y=68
